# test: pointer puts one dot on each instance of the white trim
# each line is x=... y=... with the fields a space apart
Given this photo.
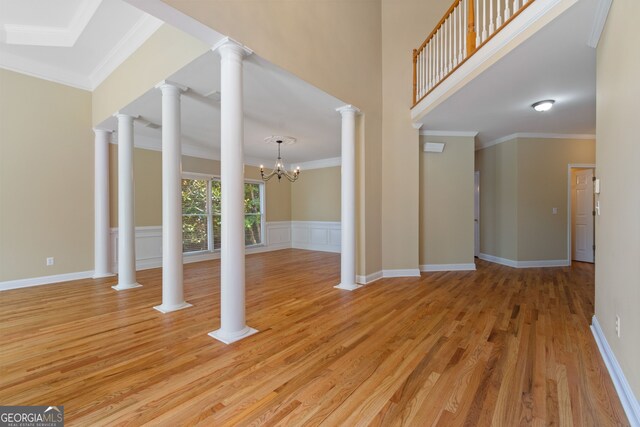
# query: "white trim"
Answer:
x=322 y=236
x=448 y=267
x=43 y=71
x=369 y=278
x=318 y=164
x=44 y=280
x=569 y=219
x=581 y=136
x=599 y=20
x=407 y=272
x=525 y=264
x=627 y=398
x=146 y=26
x=447 y=133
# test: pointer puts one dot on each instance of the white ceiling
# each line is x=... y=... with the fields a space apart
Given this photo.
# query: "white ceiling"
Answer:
x=275 y=103
x=555 y=63
x=74 y=42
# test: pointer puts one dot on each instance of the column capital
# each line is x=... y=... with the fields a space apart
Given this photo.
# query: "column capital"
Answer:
x=169 y=87
x=347 y=109
x=102 y=131
x=121 y=116
x=227 y=46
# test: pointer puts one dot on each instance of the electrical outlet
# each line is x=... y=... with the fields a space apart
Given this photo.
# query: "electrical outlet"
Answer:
x=618 y=326
x=50 y=261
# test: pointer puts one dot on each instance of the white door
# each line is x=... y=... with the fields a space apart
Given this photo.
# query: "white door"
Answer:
x=583 y=236
x=476 y=210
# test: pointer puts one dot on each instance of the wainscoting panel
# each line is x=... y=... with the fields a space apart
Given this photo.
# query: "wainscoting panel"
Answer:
x=149 y=245
x=316 y=235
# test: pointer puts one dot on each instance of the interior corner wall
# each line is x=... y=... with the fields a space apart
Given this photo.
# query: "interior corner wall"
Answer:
x=617 y=158
x=542 y=186
x=447 y=202
x=521 y=181
x=164 y=53
x=498 y=167
x=405 y=24
x=46 y=178
x=335 y=46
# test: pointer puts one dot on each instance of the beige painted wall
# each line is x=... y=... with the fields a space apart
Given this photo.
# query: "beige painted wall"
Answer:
x=618 y=154
x=542 y=185
x=334 y=45
x=521 y=181
x=316 y=195
x=164 y=53
x=148 y=186
x=446 y=202
x=46 y=178
x=498 y=199
x=405 y=25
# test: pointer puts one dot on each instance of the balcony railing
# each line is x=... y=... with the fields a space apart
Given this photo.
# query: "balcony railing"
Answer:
x=464 y=28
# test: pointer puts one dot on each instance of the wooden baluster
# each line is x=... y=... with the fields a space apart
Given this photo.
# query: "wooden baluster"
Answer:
x=492 y=28
x=484 y=20
x=463 y=30
x=499 y=13
x=507 y=11
x=454 y=18
x=452 y=41
x=415 y=55
x=516 y=6
x=471 y=28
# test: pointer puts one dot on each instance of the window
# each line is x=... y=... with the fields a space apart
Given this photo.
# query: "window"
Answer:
x=201 y=209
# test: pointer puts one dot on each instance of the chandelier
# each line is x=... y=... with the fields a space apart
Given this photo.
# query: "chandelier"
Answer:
x=279 y=169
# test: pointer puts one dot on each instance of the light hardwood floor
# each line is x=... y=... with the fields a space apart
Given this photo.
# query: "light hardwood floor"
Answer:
x=498 y=346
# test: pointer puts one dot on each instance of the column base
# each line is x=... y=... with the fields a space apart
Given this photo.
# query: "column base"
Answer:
x=220 y=336
x=102 y=275
x=348 y=287
x=120 y=287
x=169 y=308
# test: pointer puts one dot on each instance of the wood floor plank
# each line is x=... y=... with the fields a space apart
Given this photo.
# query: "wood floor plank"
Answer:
x=496 y=346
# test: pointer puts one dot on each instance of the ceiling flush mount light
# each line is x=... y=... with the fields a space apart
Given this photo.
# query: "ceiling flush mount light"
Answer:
x=543 y=105
x=279 y=169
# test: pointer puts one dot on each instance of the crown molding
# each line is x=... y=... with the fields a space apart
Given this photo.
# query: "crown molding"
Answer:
x=319 y=164
x=141 y=31
x=36 y=35
x=583 y=136
x=146 y=26
x=599 y=20
x=447 y=133
x=36 y=69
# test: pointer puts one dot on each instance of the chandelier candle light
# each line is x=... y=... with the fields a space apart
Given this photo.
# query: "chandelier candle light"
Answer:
x=279 y=169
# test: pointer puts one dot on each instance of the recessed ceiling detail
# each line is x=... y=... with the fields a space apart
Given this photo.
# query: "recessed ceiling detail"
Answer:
x=65 y=36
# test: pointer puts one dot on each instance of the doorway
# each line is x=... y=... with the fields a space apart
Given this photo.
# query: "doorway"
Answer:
x=581 y=226
x=476 y=213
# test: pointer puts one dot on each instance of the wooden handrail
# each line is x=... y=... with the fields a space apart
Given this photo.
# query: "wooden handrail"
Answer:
x=439 y=24
x=433 y=66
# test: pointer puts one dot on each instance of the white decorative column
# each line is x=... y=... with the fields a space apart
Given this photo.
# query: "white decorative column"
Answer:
x=126 y=220
x=348 y=199
x=232 y=274
x=101 y=225
x=172 y=286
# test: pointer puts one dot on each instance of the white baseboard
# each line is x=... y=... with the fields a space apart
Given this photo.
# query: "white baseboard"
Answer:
x=525 y=264
x=448 y=267
x=627 y=398
x=44 y=280
x=408 y=272
x=369 y=278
